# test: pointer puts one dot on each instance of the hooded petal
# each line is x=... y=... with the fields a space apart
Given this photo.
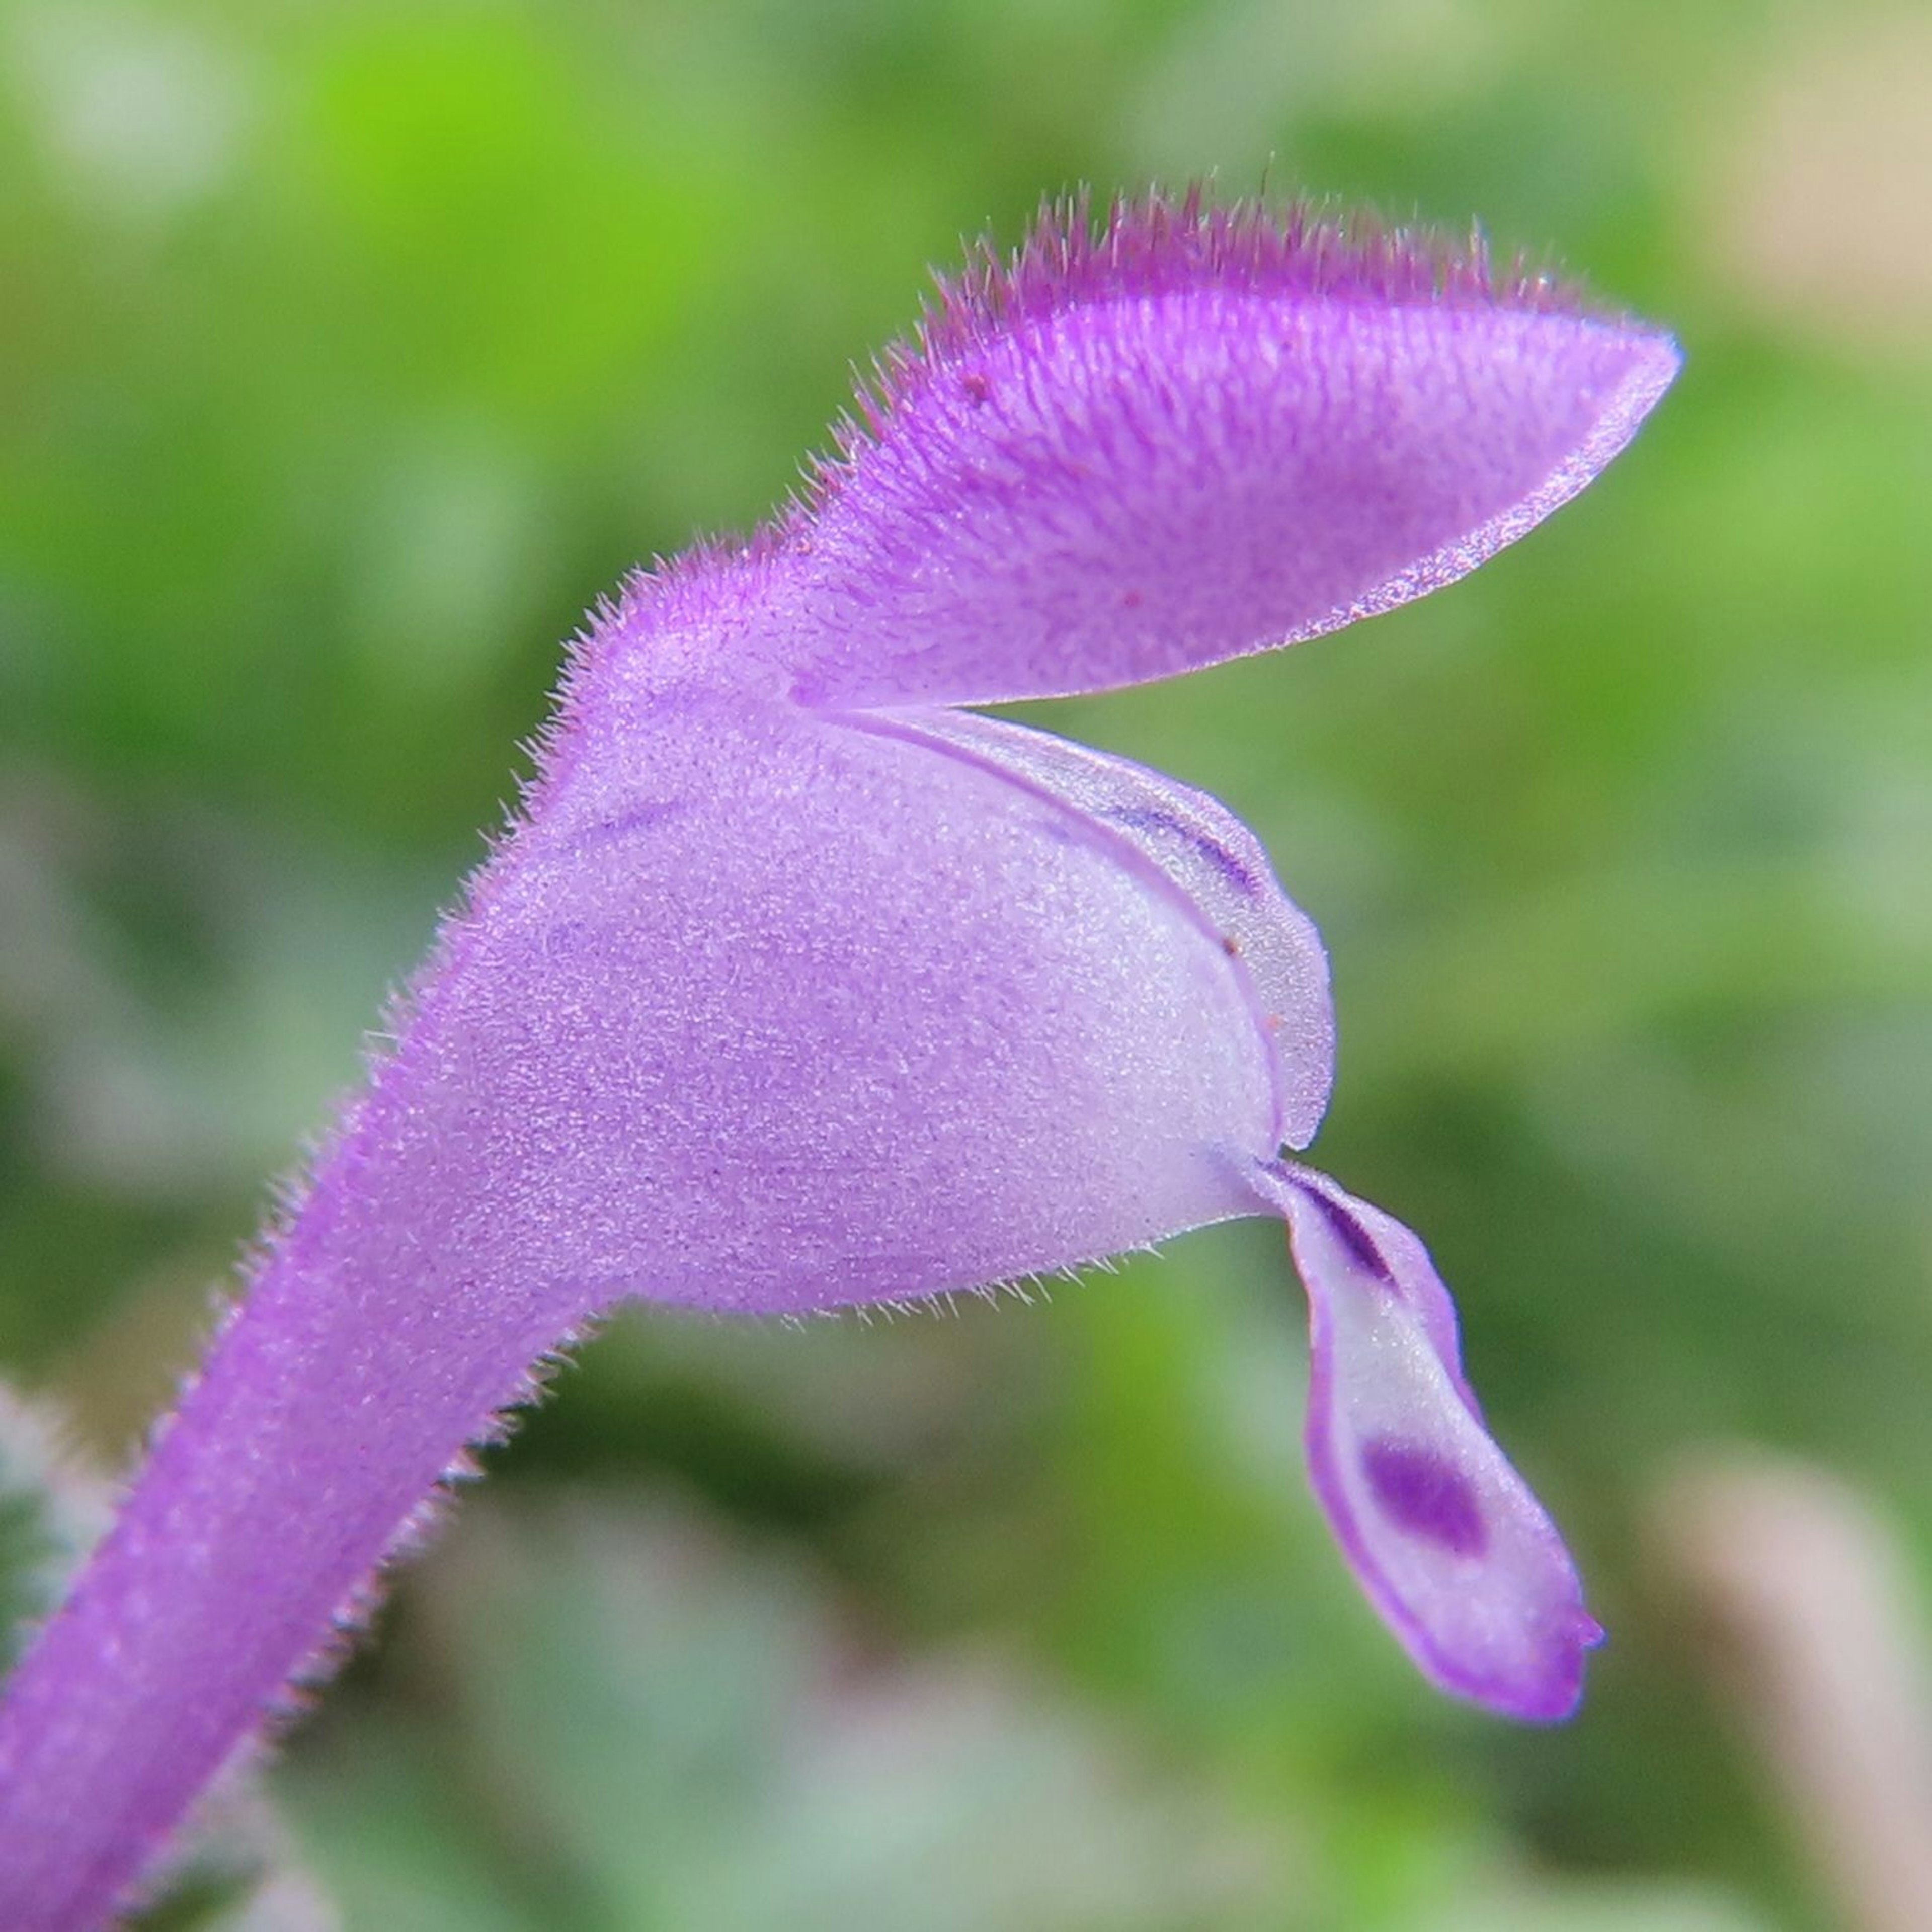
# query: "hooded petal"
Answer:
x=777 y=1012
x=1454 y=1552
x=1197 y=433
x=1211 y=862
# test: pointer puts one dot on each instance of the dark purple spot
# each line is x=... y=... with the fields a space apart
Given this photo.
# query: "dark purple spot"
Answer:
x=977 y=389
x=1150 y=818
x=1422 y=1494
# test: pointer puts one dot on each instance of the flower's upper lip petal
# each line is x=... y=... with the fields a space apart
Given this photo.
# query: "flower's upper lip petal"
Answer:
x=1195 y=433
x=1152 y=487
x=1190 y=437
x=1190 y=849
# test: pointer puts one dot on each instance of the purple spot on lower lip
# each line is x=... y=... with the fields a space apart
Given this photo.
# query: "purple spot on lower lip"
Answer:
x=1422 y=1494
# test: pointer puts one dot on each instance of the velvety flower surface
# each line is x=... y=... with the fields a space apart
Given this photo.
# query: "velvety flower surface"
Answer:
x=796 y=985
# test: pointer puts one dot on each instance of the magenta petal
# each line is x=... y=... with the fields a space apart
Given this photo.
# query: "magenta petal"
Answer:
x=1454 y=1552
x=1198 y=433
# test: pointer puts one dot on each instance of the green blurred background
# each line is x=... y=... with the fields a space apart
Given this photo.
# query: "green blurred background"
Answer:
x=347 y=351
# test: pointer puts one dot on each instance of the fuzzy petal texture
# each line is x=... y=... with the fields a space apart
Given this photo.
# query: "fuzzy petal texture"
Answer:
x=906 y=1006
x=1451 y=1547
x=1187 y=438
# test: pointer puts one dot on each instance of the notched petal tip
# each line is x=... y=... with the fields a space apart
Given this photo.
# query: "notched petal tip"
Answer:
x=1456 y=1554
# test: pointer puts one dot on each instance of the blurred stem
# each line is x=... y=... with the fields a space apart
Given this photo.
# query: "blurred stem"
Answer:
x=1807 y=1592
x=365 y=1356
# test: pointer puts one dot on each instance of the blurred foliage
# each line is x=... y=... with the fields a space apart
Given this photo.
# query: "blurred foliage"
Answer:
x=347 y=352
x=49 y=1517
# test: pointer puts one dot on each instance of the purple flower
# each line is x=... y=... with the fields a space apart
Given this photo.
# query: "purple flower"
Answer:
x=796 y=985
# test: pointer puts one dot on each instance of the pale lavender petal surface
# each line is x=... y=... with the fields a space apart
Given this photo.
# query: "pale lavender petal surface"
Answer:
x=1459 y=1558
x=1214 y=865
x=875 y=1019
